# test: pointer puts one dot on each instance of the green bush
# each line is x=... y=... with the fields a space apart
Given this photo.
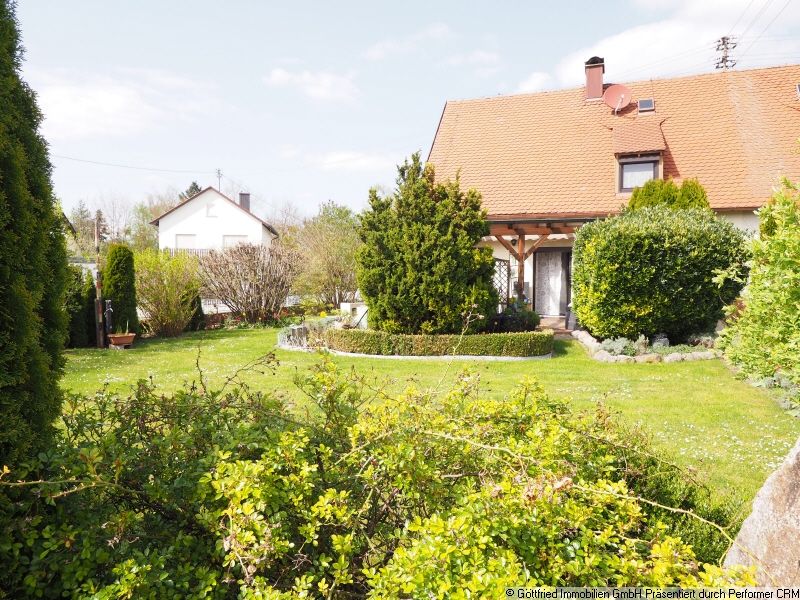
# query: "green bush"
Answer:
x=515 y=317
x=419 y=269
x=231 y=494
x=75 y=306
x=652 y=271
x=764 y=340
x=198 y=320
x=367 y=341
x=165 y=288
x=33 y=264
x=665 y=192
x=89 y=296
x=119 y=286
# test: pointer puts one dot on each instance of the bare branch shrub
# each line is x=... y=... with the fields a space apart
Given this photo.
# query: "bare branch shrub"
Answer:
x=165 y=289
x=252 y=280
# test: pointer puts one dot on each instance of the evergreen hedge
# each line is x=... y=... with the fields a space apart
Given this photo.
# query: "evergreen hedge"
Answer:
x=652 y=271
x=419 y=269
x=33 y=265
x=75 y=304
x=119 y=286
x=365 y=341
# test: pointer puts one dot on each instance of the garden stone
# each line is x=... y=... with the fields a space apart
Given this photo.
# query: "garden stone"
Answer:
x=768 y=537
x=648 y=358
x=674 y=357
x=625 y=359
x=604 y=356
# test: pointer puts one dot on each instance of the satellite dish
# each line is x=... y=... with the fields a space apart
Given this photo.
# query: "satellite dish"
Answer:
x=617 y=96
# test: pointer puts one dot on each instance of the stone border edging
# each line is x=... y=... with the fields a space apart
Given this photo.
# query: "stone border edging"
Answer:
x=431 y=357
x=593 y=347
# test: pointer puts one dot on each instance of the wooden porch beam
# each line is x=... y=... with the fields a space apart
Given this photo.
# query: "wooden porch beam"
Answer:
x=535 y=246
x=507 y=245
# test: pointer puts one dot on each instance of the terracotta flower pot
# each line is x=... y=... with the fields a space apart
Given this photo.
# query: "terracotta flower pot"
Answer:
x=121 y=339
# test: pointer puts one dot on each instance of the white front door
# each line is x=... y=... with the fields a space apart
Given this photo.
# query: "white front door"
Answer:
x=549 y=283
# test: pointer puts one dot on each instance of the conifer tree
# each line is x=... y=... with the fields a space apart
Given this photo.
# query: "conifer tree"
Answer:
x=33 y=270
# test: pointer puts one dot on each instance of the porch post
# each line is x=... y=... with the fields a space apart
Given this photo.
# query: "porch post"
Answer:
x=520 y=266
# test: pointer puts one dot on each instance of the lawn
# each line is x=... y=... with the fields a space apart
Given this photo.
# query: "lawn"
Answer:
x=734 y=435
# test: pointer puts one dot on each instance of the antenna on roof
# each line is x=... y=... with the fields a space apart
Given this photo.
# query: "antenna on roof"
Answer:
x=219 y=181
x=724 y=45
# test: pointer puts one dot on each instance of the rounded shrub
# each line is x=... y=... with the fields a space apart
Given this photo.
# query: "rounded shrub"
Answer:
x=653 y=271
x=657 y=192
x=119 y=286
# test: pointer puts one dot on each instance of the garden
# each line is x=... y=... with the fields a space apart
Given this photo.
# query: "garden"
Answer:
x=204 y=461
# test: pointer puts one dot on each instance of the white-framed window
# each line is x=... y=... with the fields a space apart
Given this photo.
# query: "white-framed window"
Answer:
x=185 y=241
x=229 y=241
x=636 y=171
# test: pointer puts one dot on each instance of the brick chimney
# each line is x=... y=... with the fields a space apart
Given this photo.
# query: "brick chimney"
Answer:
x=594 y=78
x=244 y=200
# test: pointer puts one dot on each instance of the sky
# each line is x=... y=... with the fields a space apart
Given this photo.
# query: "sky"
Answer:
x=303 y=102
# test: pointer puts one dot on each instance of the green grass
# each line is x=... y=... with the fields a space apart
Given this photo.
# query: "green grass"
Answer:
x=734 y=435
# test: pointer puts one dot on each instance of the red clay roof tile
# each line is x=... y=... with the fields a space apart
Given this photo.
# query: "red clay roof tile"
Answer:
x=553 y=153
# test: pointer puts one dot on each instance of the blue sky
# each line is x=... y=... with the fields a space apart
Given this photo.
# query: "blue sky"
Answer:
x=301 y=102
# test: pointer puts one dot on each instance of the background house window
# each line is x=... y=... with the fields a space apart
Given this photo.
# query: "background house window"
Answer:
x=635 y=173
x=229 y=241
x=184 y=241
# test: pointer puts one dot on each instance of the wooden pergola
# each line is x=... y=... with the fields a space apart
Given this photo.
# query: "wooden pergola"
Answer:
x=501 y=230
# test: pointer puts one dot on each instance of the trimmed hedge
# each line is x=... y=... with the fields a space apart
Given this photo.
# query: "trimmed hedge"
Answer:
x=363 y=341
x=653 y=270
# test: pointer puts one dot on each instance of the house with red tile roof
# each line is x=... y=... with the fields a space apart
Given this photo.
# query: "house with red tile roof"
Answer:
x=545 y=163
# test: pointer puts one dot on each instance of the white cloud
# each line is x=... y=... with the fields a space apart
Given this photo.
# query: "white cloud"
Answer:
x=409 y=43
x=535 y=82
x=79 y=105
x=482 y=62
x=319 y=85
x=355 y=161
x=682 y=42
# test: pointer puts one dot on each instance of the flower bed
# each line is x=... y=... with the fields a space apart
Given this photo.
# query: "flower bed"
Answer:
x=363 y=341
x=622 y=350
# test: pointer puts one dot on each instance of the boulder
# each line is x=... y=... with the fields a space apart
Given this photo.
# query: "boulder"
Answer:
x=648 y=358
x=674 y=357
x=604 y=356
x=770 y=537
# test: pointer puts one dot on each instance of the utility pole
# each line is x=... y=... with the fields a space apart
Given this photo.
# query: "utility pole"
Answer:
x=724 y=45
x=219 y=180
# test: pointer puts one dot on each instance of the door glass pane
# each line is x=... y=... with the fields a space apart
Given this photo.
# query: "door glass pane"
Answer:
x=548 y=283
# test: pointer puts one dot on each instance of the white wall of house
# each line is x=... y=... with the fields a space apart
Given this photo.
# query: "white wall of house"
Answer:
x=744 y=220
x=210 y=221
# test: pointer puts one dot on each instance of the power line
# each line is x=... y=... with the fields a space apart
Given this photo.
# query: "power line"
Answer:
x=775 y=18
x=121 y=166
x=756 y=17
x=746 y=8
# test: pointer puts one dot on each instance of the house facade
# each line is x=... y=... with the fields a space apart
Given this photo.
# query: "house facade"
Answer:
x=546 y=163
x=210 y=220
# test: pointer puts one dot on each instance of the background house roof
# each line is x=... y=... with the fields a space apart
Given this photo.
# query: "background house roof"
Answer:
x=553 y=153
x=269 y=227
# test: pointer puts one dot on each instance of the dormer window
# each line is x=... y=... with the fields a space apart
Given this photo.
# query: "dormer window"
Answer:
x=635 y=171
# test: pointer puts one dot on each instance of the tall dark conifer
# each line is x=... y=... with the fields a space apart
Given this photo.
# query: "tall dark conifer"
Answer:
x=33 y=271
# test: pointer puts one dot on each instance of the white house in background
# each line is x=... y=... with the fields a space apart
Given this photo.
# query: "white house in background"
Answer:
x=210 y=220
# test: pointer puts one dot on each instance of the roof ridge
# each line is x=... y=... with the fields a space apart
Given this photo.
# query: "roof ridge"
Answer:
x=734 y=72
